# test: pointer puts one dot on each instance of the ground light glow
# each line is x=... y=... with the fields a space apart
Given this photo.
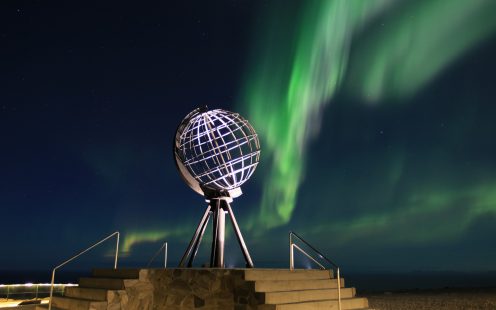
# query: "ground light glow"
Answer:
x=9 y=292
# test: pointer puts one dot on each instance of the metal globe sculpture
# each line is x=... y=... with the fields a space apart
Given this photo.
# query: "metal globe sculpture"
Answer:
x=218 y=149
x=216 y=152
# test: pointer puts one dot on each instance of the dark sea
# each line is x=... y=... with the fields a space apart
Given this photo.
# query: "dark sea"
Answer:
x=364 y=282
x=396 y=281
x=40 y=276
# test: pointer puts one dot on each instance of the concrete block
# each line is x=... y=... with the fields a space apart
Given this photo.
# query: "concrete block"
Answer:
x=104 y=283
x=290 y=285
x=286 y=274
x=306 y=295
x=78 y=304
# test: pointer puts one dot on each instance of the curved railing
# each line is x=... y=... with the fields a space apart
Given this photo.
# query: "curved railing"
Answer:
x=81 y=253
x=293 y=245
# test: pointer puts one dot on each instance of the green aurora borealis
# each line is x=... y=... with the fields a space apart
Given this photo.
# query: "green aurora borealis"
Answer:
x=334 y=89
x=286 y=105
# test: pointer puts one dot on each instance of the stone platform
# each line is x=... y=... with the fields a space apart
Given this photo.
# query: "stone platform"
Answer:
x=208 y=288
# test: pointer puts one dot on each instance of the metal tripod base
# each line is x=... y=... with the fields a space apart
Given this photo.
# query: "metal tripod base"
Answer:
x=217 y=208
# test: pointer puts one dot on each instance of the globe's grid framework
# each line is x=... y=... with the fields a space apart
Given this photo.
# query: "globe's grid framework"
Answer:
x=219 y=148
x=216 y=152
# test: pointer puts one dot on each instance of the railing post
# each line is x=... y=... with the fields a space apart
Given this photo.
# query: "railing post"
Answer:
x=165 y=256
x=291 y=257
x=8 y=292
x=291 y=251
x=51 y=290
x=339 y=289
x=116 y=251
x=291 y=261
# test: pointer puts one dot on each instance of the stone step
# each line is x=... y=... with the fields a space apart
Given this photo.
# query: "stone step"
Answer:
x=45 y=307
x=103 y=283
x=78 y=304
x=306 y=295
x=346 y=304
x=86 y=293
x=286 y=274
x=290 y=285
x=123 y=273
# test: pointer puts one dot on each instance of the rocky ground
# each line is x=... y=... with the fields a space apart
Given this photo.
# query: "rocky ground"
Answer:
x=438 y=299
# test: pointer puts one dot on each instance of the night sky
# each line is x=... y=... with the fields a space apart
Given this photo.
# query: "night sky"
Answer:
x=376 y=120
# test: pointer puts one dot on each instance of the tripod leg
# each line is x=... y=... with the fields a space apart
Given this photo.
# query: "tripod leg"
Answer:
x=195 y=237
x=215 y=225
x=198 y=241
x=241 y=241
x=219 y=250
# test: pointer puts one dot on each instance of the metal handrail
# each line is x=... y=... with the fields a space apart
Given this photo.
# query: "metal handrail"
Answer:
x=292 y=245
x=81 y=253
x=292 y=233
x=164 y=246
x=310 y=257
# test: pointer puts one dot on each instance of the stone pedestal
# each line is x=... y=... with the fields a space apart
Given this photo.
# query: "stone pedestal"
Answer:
x=208 y=288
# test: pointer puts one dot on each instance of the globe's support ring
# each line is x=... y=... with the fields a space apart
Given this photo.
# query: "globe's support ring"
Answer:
x=217 y=208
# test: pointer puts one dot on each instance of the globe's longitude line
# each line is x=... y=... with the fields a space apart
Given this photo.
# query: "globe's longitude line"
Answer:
x=229 y=142
x=204 y=134
x=212 y=150
x=187 y=131
x=199 y=142
x=201 y=123
x=239 y=146
x=234 y=161
x=240 y=159
x=188 y=138
x=220 y=153
x=192 y=148
x=191 y=162
x=230 y=167
x=232 y=186
x=257 y=147
x=253 y=134
x=231 y=164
